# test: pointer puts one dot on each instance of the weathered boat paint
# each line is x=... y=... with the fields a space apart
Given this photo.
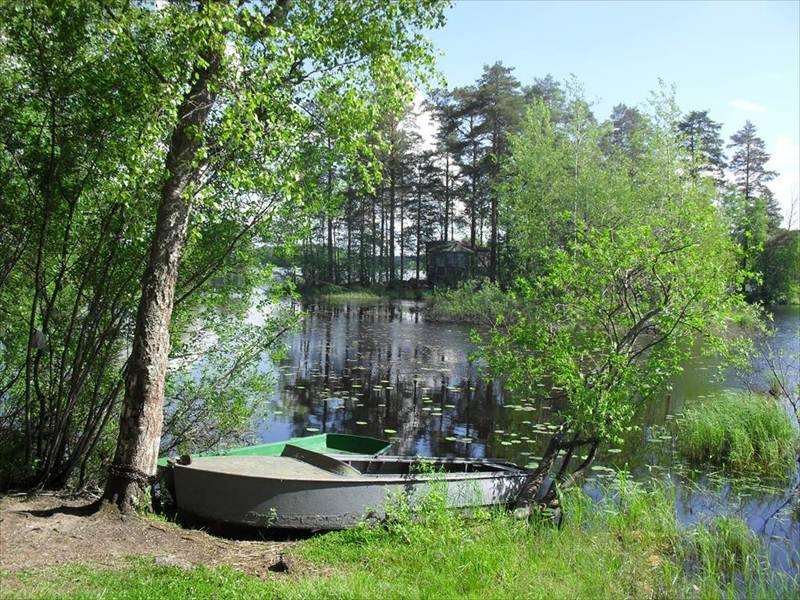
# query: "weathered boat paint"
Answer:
x=325 y=443
x=298 y=491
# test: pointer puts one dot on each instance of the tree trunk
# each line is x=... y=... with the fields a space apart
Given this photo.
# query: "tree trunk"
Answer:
x=402 y=233
x=419 y=222
x=362 y=248
x=349 y=225
x=382 y=242
x=446 y=195
x=493 y=237
x=373 y=240
x=140 y=423
x=474 y=200
x=493 y=173
x=392 y=200
x=329 y=193
x=540 y=485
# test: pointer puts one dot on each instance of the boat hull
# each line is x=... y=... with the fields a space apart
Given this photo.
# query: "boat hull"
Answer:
x=340 y=444
x=285 y=494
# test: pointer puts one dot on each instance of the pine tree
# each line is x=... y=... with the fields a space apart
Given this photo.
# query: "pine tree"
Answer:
x=551 y=92
x=748 y=163
x=500 y=98
x=470 y=149
x=625 y=138
x=703 y=143
x=425 y=190
x=443 y=107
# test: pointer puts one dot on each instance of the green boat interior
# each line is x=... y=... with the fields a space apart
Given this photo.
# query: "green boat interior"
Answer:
x=378 y=466
x=393 y=465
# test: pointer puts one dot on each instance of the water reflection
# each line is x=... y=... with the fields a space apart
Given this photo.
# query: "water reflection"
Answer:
x=381 y=369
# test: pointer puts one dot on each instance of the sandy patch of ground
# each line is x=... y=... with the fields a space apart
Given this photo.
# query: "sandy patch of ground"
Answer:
x=48 y=531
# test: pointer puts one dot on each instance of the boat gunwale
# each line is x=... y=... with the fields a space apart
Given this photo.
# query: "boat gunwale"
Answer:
x=378 y=447
x=505 y=471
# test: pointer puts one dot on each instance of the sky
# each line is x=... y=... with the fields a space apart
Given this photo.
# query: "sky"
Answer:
x=738 y=60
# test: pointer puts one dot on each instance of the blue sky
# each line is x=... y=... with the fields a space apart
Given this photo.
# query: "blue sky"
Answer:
x=739 y=60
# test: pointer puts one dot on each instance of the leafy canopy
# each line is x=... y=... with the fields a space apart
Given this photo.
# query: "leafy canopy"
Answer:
x=623 y=270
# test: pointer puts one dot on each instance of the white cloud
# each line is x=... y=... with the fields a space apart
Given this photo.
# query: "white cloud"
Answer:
x=786 y=187
x=748 y=106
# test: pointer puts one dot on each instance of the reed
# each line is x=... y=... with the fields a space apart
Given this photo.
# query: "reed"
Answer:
x=745 y=433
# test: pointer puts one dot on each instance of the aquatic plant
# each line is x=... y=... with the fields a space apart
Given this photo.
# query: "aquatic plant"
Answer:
x=474 y=301
x=748 y=433
x=724 y=546
x=346 y=295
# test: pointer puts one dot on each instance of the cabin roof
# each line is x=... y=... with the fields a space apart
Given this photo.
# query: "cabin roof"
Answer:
x=452 y=246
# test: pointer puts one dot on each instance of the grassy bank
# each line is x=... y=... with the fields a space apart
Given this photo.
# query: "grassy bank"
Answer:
x=630 y=546
x=745 y=433
x=335 y=293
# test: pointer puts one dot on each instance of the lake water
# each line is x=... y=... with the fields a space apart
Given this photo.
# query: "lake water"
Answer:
x=382 y=369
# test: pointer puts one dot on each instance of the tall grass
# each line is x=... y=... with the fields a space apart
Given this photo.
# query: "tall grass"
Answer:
x=335 y=293
x=743 y=432
x=628 y=545
x=473 y=302
x=343 y=294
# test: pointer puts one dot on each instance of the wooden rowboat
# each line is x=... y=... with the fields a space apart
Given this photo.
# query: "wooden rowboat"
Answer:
x=326 y=443
x=303 y=489
x=341 y=444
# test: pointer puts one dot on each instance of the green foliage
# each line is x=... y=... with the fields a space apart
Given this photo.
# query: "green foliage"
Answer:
x=74 y=180
x=140 y=579
x=610 y=303
x=217 y=384
x=476 y=302
x=624 y=260
x=724 y=546
x=779 y=265
x=748 y=224
x=92 y=90
x=746 y=433
x=411 y=520
x=622 y=268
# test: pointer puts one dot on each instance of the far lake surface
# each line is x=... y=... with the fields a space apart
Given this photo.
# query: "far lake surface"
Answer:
x=382 y=369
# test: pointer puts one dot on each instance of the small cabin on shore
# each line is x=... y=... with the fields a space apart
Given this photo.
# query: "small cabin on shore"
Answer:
x=450 y=263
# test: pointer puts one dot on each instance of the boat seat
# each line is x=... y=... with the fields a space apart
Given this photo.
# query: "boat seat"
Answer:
x=322 y=461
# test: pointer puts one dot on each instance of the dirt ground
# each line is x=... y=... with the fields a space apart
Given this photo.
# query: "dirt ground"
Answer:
x=49 y=530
